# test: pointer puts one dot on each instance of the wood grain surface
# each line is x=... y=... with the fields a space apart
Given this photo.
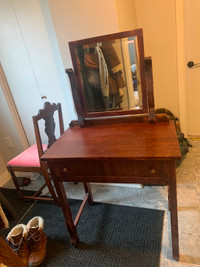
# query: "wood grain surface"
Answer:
x=135 y=141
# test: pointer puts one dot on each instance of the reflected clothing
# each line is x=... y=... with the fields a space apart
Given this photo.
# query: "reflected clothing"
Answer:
x=114 y=66
x=104 y=72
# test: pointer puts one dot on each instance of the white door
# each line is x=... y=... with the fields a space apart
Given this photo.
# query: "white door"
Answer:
x=192 y=51
x=31 y=60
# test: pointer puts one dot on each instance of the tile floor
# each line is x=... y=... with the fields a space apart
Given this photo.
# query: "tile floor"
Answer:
x=188 y=194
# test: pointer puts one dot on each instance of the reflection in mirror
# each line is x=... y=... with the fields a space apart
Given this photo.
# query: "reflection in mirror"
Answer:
x=110 y=75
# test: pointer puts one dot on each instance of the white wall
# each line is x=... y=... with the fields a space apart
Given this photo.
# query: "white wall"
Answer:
x=79 y=19
x=127 y=15
x=158 y=20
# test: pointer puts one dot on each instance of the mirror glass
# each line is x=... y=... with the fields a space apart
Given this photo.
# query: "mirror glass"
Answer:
x=110 y=74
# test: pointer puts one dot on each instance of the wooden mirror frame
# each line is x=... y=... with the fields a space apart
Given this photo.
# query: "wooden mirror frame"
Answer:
x=78 y=90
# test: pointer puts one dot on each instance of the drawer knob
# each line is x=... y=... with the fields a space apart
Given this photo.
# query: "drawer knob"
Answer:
x=65 y=170
x=152 y=171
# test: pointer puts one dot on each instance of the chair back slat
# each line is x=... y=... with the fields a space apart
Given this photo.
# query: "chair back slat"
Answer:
x=50 y=129
x=60 y=119
x=47 y=114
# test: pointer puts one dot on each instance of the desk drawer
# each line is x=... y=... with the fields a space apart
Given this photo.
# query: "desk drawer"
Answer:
x=64 y=170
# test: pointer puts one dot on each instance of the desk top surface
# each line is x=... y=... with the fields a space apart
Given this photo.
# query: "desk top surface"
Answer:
x=135 y=141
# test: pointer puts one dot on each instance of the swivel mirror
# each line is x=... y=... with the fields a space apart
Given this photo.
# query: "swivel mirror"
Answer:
x=109 y=74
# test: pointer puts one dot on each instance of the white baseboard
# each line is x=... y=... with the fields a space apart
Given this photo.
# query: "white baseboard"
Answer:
x=4 y=178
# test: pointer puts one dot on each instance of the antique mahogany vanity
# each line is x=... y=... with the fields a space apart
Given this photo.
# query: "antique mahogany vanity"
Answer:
x=117 y=137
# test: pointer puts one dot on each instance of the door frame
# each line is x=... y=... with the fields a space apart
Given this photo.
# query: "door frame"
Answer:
x=13 y=110
x=181 y=65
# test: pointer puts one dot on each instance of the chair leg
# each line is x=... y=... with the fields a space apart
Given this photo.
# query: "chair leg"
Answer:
x=14 y=178
x=49 y=185
x=89 y=191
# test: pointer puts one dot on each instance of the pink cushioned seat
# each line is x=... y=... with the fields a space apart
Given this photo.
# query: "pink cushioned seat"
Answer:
x=29 y=157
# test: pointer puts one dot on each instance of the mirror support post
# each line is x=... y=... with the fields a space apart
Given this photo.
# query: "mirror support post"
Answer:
x=72 y=80
x=149 y=86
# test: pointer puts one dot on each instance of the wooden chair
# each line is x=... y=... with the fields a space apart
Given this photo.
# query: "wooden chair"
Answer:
x=29 y=160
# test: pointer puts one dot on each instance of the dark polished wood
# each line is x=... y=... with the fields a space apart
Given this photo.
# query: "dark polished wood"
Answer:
x=76 y=96
x=149 y=81
x=121 y=141
x=117 y=153
x=172 y=199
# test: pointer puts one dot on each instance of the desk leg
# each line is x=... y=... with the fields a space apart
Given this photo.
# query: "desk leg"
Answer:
x=89 y=191
x=172 y=198
x=74 y=240
x=168 y=199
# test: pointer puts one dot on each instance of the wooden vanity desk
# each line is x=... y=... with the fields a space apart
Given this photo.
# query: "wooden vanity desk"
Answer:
x=134 y=148
x=121 y=153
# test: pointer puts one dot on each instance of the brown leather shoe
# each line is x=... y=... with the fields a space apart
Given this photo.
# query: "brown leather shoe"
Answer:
x=37 y=241
x=17 y=239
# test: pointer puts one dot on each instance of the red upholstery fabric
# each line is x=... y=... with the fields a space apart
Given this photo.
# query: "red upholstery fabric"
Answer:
x=29 y=157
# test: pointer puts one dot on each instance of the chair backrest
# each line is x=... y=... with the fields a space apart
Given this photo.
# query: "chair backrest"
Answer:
x=47 y=114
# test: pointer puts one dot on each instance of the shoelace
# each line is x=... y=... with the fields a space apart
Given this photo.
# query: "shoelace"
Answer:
x=33 y=240
x=18 y=248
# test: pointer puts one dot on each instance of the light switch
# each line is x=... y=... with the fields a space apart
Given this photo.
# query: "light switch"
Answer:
x=8 y=142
